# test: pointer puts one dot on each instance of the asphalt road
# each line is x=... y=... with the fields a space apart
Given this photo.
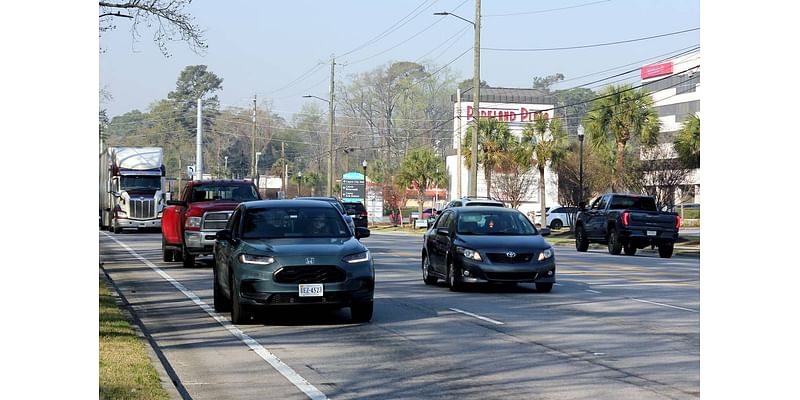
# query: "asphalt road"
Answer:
x=616 y=327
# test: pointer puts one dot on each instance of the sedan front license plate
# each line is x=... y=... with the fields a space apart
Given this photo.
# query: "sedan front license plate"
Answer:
x=310 y=290
x=651 y=233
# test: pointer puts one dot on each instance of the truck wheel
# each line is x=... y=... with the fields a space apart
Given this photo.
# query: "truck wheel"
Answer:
x=581 y=241
x=188 y=258
x=665 y=250
x=629 y=249
x=116 y=229
x=614 y=245
x=556 y=224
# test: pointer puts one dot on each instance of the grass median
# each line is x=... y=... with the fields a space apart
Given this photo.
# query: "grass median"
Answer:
x=125 y=370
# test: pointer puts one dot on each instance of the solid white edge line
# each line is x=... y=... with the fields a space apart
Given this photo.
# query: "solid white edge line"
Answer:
x=285 y=370
x=664 y=305
x=592 y=291
x=477 y=316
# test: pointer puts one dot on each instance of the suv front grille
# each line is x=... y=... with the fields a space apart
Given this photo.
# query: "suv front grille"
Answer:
x=215 y=220
x=309 y=274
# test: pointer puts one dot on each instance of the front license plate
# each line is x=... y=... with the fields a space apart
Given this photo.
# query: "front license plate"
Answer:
x=651 y=233
x=310 y=290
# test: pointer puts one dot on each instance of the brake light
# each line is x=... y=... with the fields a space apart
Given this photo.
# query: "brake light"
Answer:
x=363 y=214
x=625 y=218
x=678 y=224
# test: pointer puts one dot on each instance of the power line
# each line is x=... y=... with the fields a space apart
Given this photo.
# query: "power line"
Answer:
x=592 y=45
x=544 y=11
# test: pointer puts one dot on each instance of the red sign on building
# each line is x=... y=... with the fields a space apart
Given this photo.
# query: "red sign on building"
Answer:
x=651 y=71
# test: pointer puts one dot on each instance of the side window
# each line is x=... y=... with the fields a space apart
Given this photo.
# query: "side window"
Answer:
x=442 y=222
x=185 y=193
x=233 y=223
x=601 y=205
x=451 y=223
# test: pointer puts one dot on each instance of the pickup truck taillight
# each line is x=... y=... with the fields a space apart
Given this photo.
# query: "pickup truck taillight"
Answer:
x=678 y=223
x=363 y=214
x=626 y=218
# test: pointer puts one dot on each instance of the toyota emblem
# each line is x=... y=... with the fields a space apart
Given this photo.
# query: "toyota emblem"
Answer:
x=511 y=254
x=310 y=260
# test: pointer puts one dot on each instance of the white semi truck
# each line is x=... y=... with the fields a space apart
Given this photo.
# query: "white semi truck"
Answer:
x=131 y=188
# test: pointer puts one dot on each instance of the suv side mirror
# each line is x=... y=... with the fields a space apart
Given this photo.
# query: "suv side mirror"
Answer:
x=361 y=232
x=582 y=206
x=544 y=231
x=224 y=235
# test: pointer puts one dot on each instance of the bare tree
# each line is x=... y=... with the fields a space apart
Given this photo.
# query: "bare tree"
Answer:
x=168 y=17
x=513 y=183
x=662 y=174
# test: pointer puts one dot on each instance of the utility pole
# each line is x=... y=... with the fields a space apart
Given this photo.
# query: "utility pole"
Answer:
x=285 y=172
x=476 y=93
x=458 y=144
x=330 y=130
x=253 y=160
x=199 y=149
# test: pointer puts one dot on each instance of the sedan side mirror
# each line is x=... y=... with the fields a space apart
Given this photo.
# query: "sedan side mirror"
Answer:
x=582 y=205
x=224 y=235
x=361 y=232
x=544 y=231
x=443 y=231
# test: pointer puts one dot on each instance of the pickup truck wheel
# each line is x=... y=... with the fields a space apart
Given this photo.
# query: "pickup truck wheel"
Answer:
x=188 y=258
x=167 y=254
x=614 y=245
x=426 y=271
x=581 y=242
x=629 y=249
x=556 y=224
x=665 y=250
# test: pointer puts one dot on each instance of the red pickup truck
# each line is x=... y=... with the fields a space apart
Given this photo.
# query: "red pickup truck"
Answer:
x=189 y=225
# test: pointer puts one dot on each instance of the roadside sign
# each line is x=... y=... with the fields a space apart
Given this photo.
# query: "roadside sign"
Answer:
x=190 y=170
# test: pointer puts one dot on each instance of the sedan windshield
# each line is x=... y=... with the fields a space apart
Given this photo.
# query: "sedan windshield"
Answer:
x=271 y=223
x=494 y=223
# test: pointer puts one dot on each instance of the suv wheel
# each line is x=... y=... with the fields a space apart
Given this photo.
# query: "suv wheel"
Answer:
x=556 y=224
x=581 y=241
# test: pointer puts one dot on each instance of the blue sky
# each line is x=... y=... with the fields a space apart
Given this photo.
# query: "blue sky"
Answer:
x=258 y=47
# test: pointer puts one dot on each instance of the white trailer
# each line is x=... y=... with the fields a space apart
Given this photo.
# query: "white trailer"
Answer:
x=131 y=188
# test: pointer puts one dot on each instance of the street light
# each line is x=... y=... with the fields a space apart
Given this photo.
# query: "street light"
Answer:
x=580 y=176
x=330 y=137
x=364 y=165
x=476 y=95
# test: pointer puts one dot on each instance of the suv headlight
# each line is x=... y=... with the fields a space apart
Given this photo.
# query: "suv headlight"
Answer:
x=469 y=253
x=545 y=254
x=357 y=258
x=254 y=259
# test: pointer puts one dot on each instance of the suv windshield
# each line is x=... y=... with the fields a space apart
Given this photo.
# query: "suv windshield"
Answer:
x=494 y=223
x=272 y=223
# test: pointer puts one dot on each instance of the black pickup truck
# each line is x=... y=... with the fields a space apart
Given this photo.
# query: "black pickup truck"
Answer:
x=626 y=222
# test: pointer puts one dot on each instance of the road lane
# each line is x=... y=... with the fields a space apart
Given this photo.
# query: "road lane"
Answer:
x=569 y=343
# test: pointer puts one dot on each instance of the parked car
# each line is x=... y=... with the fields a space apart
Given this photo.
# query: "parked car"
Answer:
x=626 y=222
x=357 y=212
x=188 y=225
x=469 y=245
x=338 y=205
x=474 y=201
x=289 y=253
x=560 y=217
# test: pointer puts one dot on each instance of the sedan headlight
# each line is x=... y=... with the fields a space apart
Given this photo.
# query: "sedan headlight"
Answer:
x=357 y=258
x=545 y=254
x=469 y=253
x=253 y=259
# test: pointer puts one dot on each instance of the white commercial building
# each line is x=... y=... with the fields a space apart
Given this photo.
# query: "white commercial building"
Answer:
x=675 y=87
x=517 y=107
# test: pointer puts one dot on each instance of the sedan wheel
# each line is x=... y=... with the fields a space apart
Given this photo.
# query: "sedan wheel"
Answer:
x=426 y=272
x=454 y=285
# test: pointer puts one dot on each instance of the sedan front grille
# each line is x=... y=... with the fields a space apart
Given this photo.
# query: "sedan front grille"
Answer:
x=309 y=274
x=215 y=220
x=143 y=208
x=503 y=258
x=512 y=276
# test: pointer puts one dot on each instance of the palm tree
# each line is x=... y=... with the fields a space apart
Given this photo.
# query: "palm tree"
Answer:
x=420 y=169
x=545 y=140
x=617 y=116
x=494 y=141
x=687 y=142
